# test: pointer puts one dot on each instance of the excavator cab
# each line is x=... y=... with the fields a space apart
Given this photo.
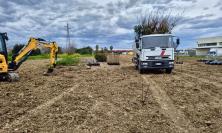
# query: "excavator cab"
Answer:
x=3 y=48
x=3 y=57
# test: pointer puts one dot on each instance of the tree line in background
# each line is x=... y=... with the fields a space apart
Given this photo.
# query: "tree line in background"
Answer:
x=18 y=47
x=72 y=50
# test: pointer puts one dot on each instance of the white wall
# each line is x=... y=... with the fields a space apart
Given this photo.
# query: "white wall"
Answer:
x=210 y=40
x=219 y=51
x=202 y=52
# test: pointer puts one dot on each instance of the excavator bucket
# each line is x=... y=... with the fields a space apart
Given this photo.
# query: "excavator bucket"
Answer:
x=48 y=72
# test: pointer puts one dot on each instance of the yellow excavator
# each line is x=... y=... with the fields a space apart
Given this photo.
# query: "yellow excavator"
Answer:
x=7 y=69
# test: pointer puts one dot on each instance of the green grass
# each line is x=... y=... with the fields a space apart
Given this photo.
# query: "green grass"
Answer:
x=63 y=59
x=39 y=57
x=191 y=57
x=68 y=60
x=36 y=57
x=46 y=56
x=73 y=59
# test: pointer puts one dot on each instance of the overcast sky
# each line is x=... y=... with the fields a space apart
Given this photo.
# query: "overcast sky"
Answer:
x=104 y=22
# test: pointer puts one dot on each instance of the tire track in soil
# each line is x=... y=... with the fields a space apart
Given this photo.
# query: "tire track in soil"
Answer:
x=39 y=108
x=215 y=77
x=200 y=112
x=200 y=69
x=217 y=102
x=168 y=107
x=219 y=85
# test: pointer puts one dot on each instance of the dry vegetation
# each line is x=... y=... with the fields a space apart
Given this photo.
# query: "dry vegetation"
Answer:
x=109 y=99
x=156 y=22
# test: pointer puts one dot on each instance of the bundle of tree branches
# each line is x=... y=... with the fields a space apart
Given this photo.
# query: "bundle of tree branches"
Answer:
x=156 y=22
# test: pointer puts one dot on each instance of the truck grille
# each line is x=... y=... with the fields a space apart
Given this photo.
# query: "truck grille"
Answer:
x=157 y=58
x=150 y=57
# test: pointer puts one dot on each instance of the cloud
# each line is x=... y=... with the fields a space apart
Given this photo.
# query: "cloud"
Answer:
x=210 y=24
x=102 y=22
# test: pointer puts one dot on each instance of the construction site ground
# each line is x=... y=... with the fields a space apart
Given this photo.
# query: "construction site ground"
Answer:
x=112 y=99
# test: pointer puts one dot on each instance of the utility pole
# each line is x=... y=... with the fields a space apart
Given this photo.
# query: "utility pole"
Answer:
x=67 y=37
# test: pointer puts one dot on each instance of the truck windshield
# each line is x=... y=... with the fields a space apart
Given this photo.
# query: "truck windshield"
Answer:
x=156 y=41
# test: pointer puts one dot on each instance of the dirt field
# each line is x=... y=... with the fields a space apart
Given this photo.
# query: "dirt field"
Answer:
x=112 y=99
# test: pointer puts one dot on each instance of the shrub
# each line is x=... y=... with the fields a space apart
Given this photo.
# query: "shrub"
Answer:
x=100 y=57
x=17 y=48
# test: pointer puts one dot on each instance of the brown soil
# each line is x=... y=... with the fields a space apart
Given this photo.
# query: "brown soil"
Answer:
x=112 y=99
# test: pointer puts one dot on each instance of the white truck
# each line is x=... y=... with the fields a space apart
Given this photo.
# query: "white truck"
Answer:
x=213 y=52
x=155 y=51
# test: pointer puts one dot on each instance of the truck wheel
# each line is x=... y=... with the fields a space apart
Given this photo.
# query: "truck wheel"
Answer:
x=140 y=70
x=136 y=64
x=136 y=67
x=168 y=71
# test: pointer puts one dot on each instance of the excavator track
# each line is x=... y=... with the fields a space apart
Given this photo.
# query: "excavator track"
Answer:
x=12 y=77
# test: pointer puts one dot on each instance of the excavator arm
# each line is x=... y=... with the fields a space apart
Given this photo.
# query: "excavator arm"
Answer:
x=53 y=53
x=25 y=52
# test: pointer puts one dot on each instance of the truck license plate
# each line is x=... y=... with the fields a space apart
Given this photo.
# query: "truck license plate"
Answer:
x=158 y=64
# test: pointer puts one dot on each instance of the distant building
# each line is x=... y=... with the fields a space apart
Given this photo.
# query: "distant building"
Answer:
x=207 y=45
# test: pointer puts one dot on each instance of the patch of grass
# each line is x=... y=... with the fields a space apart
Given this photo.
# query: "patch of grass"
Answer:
x=191 y=57
x=68 y=61
x=74 y=55
x=36 y=57
x=67 y=55
x=39 y=57
x=46 y=56
x=87 y=55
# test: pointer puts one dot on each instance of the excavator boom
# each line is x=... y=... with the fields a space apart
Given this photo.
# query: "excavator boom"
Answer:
x=25 y=52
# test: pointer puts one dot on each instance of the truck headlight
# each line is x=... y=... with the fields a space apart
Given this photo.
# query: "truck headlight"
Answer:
x=171 y=63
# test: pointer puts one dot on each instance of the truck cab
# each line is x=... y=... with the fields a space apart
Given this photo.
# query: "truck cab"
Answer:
x=155 y=51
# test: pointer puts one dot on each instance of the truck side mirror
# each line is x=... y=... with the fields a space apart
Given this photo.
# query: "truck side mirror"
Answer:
x=5 y=36
x=137 y=45
x=178 y=41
